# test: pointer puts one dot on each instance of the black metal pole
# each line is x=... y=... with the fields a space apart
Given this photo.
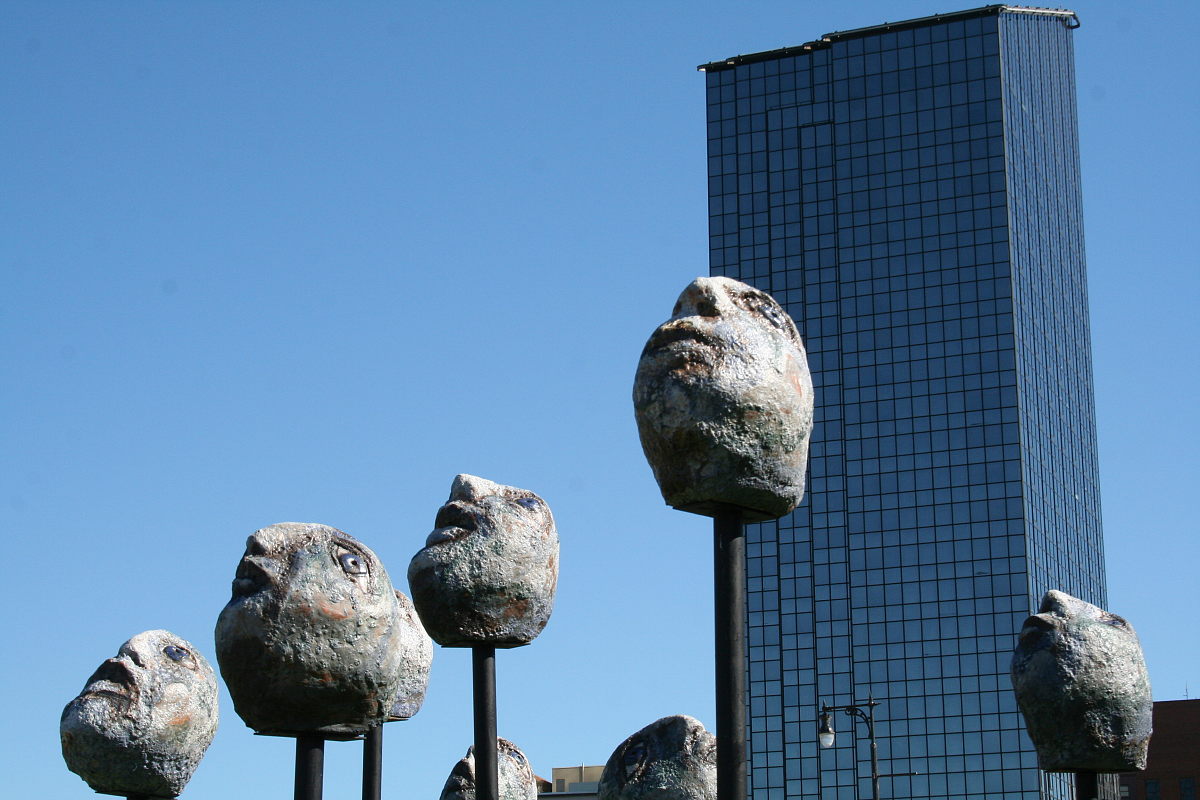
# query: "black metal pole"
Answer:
x=310 y=766
x=874 y=749
x=483 y=663
x=1087 y=786
x=372 y=783
x=729 y=549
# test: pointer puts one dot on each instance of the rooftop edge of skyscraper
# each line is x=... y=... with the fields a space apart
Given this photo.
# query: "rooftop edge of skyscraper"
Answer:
x=1070 y=19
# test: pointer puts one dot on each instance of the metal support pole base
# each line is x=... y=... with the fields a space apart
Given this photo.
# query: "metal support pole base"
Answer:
x=310 y=766
x=1087 y=786
x=483 y=680
x=372 y=782
x=729 y=551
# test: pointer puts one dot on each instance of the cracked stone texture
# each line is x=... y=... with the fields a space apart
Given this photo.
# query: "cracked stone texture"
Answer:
x=674 y=758
x=724 y=403
x=1081 y=683
x=315 y=638
x=144 y=719
x=514 y=775
x=488 y=573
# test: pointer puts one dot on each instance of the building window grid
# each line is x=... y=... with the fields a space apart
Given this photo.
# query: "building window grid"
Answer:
x=753 y=254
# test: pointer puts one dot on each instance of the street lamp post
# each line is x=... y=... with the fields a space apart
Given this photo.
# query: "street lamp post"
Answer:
x=826 y=735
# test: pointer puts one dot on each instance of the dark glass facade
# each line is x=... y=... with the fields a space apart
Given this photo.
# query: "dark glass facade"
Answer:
x=911 y=194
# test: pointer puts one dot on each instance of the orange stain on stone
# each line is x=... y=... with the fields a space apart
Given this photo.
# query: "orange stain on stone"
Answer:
x=334 y=610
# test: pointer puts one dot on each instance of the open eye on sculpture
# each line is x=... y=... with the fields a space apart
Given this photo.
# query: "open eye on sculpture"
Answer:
x=529 y=502
x=352 y=563
x=1114 y=621
x=175 y=653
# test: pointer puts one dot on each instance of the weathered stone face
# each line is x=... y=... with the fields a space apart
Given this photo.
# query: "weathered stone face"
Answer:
x=514 y=774
x=488 y=573
x=414 y=668
x=144 y=719
x=314 y=638
x=1081 y=683
x=724 y=403
x=674 y=758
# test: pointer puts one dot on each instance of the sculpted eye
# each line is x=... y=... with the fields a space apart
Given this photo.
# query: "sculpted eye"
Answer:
x=175 y=653
x=763 y=305
x=529 y=502
x=352 y=564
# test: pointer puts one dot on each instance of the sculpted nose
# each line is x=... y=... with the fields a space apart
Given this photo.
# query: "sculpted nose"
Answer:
x=263 y=542
x=702 y=297
x=469 y=487
x=1057 y=603
x=113 y=669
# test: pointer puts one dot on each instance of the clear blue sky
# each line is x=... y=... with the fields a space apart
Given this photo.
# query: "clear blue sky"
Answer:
x=308 y=261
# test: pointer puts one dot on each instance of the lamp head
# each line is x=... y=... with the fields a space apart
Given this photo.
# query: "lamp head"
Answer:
x=825 y=734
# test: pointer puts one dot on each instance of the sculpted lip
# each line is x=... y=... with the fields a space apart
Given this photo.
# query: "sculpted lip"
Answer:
x=678 y=331
x=1033 y=628
x=1039 y=622
x=112 y=679
x=455 y=514
x=250 y=577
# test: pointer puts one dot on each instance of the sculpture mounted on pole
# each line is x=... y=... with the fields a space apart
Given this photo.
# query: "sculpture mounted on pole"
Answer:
x=143 y=720
x=486 y=579
x=724 y=405
x=317 y=644
x=1081 y=683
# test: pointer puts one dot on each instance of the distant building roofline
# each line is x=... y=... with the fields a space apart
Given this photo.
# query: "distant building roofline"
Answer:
x=1070 y=19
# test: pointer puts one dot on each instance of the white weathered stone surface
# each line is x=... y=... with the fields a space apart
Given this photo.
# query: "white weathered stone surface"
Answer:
x=515 y=775
x=674 y=758
x=724 y=403
x=315 y=638
x=1081 y=683
x=418 y=659
x=488 y=573
x=144 y=719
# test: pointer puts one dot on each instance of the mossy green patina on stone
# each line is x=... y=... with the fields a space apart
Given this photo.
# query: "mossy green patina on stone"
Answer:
x=1081 y=683
x=144 y=719
x=724 y=403
x=489 y=570
x=674 y=758
x=315 y=638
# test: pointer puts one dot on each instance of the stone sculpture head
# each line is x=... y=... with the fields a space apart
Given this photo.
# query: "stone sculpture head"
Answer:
x=674 y=758
x=314 y=639
x=488 y=573
x=516 y=778
x=724 y=403
x=144 y=719
x=1081 y=683
x=414 y=668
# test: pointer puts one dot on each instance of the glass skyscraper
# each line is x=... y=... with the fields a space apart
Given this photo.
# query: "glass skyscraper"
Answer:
x=910 y=192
